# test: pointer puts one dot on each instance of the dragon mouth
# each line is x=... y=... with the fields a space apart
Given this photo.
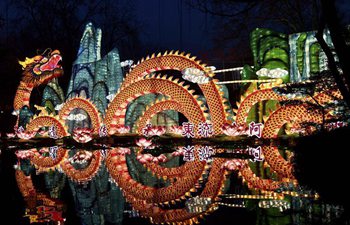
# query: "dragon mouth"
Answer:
x=52 y=64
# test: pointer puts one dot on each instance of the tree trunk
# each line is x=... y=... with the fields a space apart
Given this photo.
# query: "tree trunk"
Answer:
x=329 y=14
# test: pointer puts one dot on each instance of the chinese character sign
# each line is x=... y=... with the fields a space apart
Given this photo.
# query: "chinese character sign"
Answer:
x=205 y=153
x=103 y=153
x=146 y=130
x=188 y=130
x=205 y=129
x=256 y=153
x=188 y=153
x=53 y=152
x=255 y=129
x=53 y=132
x=102 y=132
x=20 y=129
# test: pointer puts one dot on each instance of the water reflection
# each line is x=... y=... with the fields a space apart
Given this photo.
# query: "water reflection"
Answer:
x=96 y=200
x=99 y=181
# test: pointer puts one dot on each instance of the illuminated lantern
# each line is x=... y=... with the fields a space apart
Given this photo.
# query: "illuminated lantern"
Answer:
x=143 y=142
x=82 y=135
x=195 y=75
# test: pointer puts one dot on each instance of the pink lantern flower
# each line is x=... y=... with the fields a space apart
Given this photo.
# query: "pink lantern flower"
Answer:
x=121 y=129
x=143 y=142
x=150 y=130
x=234 y=129
x=123 y=151
x=234 y=164
x=242 y=130
x=44 y=150
x=43 y=132
x=82 y=135
x=81 y=157
x=176 y=130
x=179 y=152
x=22 y=134
x=145 y=158
x=11 y=135
x=228 y=129
x=25 y=154
x=155 y=160
x=162 y=158
x=156 y=131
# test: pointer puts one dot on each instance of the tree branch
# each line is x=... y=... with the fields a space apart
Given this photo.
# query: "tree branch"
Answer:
x=332 y=64
x=202 y=6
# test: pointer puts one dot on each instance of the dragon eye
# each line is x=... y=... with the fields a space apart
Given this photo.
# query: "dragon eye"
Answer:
x=38 y=58
x=36 y=70
x=44 y=60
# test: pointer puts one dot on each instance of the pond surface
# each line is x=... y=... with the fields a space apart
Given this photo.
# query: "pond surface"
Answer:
x=61 y=185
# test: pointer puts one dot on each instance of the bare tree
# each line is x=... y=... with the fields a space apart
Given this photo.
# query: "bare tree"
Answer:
x=330 y=19
x=237 y=18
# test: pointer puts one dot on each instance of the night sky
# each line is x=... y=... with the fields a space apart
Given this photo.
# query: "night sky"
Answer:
x=171 y=24
x=162 y=26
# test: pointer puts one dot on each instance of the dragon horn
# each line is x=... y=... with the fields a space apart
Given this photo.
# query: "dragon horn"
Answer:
x=26 y=62
x=47 y=51
x=23 y=64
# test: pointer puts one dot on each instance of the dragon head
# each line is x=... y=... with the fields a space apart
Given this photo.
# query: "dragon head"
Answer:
x=42 y=68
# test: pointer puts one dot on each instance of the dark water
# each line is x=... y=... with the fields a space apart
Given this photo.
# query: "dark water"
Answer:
x=320 y=162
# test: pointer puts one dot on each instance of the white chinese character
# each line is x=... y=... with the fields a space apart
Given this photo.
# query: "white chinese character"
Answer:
x=205 y=129
x=102 y=132
x=188 y=153
x=103 y=153
x=53 y=152
x=256 y=153
x=20 y=129
x=255 y=129
x=188 y=130
x=205 y=153
x=53 y=132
